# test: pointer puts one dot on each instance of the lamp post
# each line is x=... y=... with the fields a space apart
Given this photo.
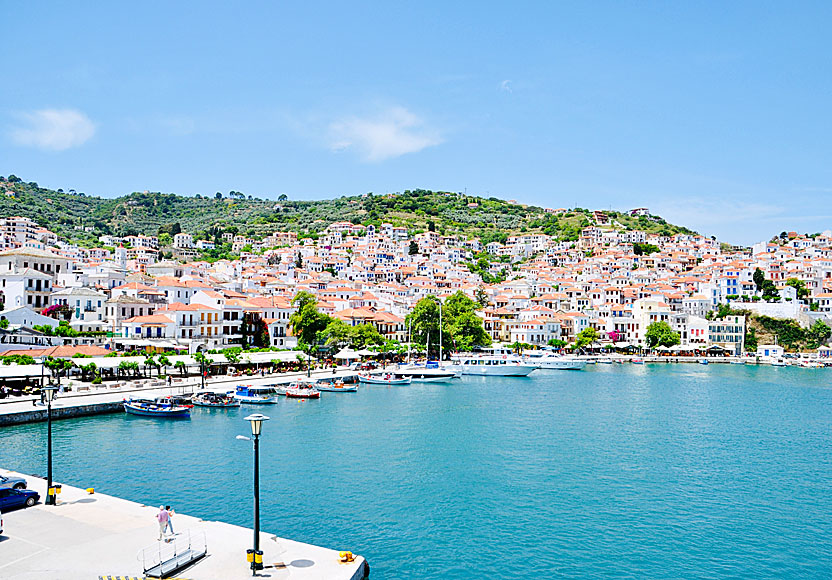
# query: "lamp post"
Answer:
x=256 y=421
x=309 y=362
x=49 y=393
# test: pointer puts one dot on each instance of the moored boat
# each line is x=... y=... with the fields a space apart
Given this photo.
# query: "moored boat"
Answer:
x=428 y=373
x=384 y=379
x=255 y=395
x=302 y=390
x=493 y=366
x=148 y=408
x=559 y=363
x=336 y=387
x=215 y=400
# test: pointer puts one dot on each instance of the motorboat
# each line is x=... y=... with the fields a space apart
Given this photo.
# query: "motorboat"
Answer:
x=637 y=361
x=493 y=366
x=559 y=363
x=303 y=390
x=215 y=400
x=336 y=387
x=149 y=408
x=704 y=361
x=255 y=395
x=431 y=372
x=389 y=379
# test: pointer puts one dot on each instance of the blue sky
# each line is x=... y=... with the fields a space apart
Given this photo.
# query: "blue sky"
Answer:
x=713 y=115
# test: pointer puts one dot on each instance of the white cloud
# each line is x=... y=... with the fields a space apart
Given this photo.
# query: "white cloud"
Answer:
x=392 y=133
x=53 y=129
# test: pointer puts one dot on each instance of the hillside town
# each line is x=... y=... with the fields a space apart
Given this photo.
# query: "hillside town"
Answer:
x=124 y=295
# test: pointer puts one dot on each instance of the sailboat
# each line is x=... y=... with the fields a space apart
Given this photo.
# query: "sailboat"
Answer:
x=430 y=372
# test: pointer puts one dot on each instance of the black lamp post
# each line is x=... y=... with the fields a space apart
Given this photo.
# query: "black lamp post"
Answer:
x=49 y=393
x=256 y=421
x=309 y=362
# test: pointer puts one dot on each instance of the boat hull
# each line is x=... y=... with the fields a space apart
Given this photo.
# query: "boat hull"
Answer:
x=172 y=413
x=379 y=381
x=561 y=365
x=256 y=400
x=344 y=389
x=494 y=370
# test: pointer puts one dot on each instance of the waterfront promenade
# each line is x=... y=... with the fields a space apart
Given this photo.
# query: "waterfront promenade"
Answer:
x=85 y=399
x=87 y=536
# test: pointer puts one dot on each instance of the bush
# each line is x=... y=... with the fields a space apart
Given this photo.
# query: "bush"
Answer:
x=97 y=380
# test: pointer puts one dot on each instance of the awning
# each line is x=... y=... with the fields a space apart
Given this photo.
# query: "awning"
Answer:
x=347 y=354
x=23 y=371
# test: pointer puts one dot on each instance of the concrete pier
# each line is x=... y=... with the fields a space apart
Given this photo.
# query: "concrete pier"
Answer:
x=88 y=536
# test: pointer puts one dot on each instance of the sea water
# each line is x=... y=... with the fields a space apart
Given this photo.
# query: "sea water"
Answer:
x=654 y=471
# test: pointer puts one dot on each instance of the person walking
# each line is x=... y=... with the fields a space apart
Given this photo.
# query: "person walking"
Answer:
x=170 y=520
x=163 y=517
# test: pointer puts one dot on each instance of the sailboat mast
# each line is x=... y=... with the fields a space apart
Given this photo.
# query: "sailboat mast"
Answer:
x=440 y=335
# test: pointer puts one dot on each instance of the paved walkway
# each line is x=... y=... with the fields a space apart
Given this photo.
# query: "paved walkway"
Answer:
x=149 y=389
x=86 y=536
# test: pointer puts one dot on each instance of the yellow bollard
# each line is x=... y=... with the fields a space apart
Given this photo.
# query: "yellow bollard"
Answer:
x=90 y=490
x=249 y=556
x=258 y=558
x=346 y=556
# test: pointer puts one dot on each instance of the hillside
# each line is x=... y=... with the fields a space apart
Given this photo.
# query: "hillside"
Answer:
x=69 y=214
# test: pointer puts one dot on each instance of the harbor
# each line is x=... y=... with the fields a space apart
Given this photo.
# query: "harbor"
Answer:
x=89 y=535
x=85 y=400
x=559 y=471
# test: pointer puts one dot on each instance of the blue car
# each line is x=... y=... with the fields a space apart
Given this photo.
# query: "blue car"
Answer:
x=14 y=498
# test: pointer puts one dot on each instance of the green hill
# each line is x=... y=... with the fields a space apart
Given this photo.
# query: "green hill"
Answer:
x=82 y=218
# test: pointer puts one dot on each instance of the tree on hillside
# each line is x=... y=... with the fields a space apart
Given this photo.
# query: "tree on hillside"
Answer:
x=414 y=248
x=660 y=334
x=759 y=277
x=482 y=297
x=306 y=322
x=462 y=329
x=587 y=337
x=770 y=291
x=282 y=197
x=818 y=334
x=800 y=286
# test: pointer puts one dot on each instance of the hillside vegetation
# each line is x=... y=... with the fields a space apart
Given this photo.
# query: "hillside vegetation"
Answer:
x=70 y=214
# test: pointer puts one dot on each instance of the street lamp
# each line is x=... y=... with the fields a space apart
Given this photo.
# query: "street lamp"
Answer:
x=255 y=555
x=49 y=393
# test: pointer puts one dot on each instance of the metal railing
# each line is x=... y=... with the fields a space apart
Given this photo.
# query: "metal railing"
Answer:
x=166 y=556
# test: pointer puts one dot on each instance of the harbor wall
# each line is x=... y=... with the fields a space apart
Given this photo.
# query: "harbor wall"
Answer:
x=39 y=414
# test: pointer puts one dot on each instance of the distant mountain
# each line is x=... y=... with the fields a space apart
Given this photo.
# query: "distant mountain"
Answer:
x=82 y=218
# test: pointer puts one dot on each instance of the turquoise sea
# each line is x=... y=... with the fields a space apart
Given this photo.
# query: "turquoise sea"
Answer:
x=654 y=471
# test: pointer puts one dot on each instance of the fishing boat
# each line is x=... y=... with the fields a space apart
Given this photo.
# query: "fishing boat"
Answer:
x=255 y=395
x=174 y=400
x=148 y=408
x=384 y=379
x=493 y=366
x=215 y=400
x=703 y=361
x=737 y=362
x=336 y=387
x=303 y=389
x=637 y=361
x=559 y=363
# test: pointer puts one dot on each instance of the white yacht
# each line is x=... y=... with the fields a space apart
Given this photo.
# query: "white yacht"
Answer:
x=427 y=373
x=492 y=366
x=559 y=363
